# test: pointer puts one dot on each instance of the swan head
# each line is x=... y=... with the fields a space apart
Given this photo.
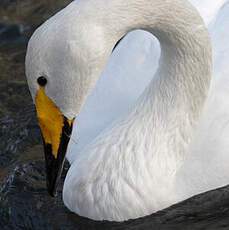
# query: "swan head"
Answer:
x=63 y=61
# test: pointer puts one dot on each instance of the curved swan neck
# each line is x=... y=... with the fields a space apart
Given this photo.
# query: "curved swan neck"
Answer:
x=97 y=25
x=185 y=66
x=173 y=101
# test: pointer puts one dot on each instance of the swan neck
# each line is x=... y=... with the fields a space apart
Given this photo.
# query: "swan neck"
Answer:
x=185 y=65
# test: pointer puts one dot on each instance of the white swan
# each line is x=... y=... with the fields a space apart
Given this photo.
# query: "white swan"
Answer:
x=136 y=166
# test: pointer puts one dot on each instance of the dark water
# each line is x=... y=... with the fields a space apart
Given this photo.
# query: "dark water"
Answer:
x=24 y=202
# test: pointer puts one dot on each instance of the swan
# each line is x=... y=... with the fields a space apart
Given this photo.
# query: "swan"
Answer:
x=140 y=163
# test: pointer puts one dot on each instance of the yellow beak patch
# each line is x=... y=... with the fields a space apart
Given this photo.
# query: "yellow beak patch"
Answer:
x=50 y=119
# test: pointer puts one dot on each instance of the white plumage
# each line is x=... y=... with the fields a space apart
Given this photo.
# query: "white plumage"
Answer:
x=152 y=155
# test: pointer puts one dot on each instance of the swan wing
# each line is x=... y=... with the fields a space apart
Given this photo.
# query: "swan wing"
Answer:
x=208 y=10
x=206 y=165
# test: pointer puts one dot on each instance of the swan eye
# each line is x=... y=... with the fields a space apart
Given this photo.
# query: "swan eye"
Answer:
x=42 y=81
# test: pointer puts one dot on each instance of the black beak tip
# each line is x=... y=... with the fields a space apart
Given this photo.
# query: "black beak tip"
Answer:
x=52 y=190
x=52 y=194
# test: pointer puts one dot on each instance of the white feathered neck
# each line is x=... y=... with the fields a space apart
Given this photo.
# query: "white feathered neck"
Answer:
x=129 y=170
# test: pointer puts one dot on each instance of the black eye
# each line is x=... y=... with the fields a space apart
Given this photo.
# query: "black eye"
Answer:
x=42 y=81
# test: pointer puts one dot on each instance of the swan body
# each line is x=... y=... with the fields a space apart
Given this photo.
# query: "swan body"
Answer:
x=140 y=163
x=208 y=11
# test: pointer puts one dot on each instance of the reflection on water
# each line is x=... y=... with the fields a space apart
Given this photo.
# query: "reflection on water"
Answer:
x=24 y=202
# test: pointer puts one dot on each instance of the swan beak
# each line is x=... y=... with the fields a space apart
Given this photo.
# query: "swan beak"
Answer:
x=56 y=130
